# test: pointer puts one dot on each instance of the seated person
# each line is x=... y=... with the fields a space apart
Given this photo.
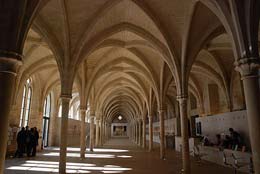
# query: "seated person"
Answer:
x=227 y=142
x=219 y=140
x=206 y=141
x=236 y=139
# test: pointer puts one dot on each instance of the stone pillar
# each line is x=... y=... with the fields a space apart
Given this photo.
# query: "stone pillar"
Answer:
x=144 y=133
x=177 y=121
x=82 y=133
x=92 y=138
x=133 y=131
x=65 y=101
x=185 y=134
x=248 y=69
x=101 y=132
x=162 y=134
x=150 y=133
x=137 y=134
x=8 y=69
x=140 y=132
x=109 y=131
x=97 y=132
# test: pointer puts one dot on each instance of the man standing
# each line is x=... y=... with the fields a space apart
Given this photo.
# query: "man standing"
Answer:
x=235 y=138
x=28 y=139
x=20 y=143
x=36 y=139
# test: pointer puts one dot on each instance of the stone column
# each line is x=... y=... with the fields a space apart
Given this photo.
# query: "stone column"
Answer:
x=92 y=126
x=8 y=69
x=133 y=132
x=82 y=133
x=144 y=133
x=150 y=133
x=97 y=132
x=140 y=132
x=162 y=134
x=248 y=69
x=109 y=131
x=105 y=129
x=185 y=134
x=177 y=121
x=65 y=101
x=106 y=133
x=101 y=132
x=136 y=130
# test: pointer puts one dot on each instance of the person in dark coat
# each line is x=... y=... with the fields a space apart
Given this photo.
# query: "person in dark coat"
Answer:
x=35 y=141
x=20 y=143
x=235 y=138
x=28 y=141
x=32 y=143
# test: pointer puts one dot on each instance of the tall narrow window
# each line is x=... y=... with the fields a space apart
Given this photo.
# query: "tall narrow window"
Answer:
x=22 y=108
x=46 y=120
x=26 y=103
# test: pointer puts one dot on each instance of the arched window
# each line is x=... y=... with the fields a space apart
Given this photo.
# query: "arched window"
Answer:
x=46 y=119
x=60 y=110
x=26 y=103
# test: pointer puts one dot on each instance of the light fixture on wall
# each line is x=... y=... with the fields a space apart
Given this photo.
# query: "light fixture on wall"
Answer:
x=120 y=117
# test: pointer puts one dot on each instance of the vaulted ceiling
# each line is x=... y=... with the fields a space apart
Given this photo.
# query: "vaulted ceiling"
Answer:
x=122 y=51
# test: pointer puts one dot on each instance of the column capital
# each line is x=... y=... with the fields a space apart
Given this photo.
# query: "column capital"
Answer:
x=82 y=111
x=248 y=67
x=161 y=110
x=9 y=65
x=162 y=107
x=182 y=99
x=82 y=108
x=98 y=121
x=92 y=112
x=11 y=54
x=65 y=96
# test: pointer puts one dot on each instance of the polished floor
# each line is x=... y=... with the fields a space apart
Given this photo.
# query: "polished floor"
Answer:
x=117 y=156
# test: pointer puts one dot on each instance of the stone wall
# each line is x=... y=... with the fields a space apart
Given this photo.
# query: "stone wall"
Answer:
x=11 y=142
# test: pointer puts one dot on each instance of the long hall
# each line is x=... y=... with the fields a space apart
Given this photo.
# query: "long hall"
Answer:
x=130 y=86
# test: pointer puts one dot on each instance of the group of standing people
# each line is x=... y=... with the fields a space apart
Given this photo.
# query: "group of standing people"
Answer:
x=27 y=141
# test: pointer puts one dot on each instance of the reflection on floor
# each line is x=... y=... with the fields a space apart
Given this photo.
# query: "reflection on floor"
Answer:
x=118 y=156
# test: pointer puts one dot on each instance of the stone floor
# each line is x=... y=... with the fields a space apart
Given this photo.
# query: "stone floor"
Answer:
x=117 y=156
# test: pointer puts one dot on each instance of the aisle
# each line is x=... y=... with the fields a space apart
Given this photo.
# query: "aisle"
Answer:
x=117 y=156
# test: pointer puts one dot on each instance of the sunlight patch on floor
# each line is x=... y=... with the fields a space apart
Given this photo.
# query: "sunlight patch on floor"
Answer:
x=74 y=149
x=52 y=166
x=56 y=154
